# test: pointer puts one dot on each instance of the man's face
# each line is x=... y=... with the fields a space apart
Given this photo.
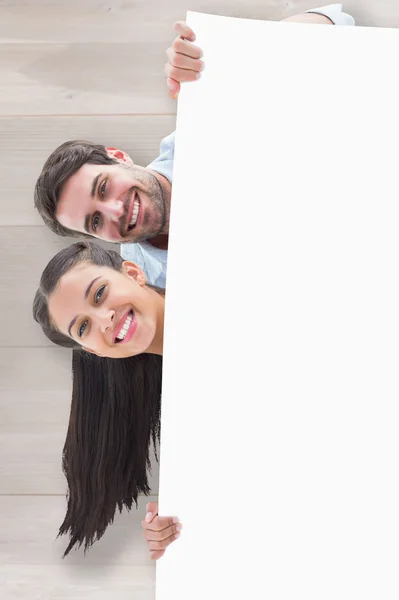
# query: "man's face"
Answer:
x=116 y=203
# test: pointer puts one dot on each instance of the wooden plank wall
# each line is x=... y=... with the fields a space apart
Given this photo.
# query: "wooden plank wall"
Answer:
x=91 y=69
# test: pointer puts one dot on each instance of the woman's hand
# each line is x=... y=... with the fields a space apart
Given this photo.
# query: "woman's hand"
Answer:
x=159 y=532
x=184 y=62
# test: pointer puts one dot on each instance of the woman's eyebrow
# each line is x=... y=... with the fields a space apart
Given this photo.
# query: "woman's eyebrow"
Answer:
x=87 y=292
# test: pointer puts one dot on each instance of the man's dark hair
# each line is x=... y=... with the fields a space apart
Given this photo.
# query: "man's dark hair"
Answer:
x=66 y=160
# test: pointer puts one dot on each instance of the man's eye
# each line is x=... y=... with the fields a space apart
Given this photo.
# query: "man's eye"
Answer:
x=103 y=187
x=95 y=222
x=81 y=329
x=99 y=293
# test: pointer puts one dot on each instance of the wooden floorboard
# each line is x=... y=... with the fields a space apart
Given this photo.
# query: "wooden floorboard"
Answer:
x=79 y=69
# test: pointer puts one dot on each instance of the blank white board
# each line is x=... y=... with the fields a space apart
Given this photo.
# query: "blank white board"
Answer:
x=279 y=446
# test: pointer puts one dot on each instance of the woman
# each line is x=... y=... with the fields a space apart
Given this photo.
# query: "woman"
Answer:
x=90 y=300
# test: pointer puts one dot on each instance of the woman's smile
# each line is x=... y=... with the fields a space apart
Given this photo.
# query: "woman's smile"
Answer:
x=126 y=328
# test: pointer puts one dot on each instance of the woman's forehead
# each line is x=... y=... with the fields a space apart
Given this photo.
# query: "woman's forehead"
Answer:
x=83 y=270
x=74 y=282
x=72 y=292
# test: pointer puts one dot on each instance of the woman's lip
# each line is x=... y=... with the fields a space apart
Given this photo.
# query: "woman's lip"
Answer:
x=130 y=331
x=120 y=324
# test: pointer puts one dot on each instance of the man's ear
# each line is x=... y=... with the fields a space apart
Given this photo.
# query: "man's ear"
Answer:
x=132 y=270
x=119 y=155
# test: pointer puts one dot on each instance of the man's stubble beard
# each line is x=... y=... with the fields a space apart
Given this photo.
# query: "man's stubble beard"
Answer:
x=159 y=195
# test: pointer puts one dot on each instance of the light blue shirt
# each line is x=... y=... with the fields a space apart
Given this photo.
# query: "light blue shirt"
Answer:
x=153 y=260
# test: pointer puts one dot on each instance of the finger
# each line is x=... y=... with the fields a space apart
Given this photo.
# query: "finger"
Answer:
x=182 y=61
x=187 y=48
x=155 y=554
x=164 y=534
x=160 y=523
x=184 y=30
x=164 y=543
x=152 y=511
x=180 y=75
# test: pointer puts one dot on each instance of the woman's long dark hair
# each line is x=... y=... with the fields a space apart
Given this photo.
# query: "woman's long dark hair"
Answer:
x=114 y=419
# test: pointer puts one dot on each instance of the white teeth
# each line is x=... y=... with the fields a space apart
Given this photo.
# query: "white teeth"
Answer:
x=136 y=209
x=125 y=328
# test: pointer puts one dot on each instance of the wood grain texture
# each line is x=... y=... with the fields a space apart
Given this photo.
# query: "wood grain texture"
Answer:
x=30 y=526
x=33 y=427
x=83 y=78
x=31 y=443
x=28 y=141
x=141 y=21
x=25 y=251
x=26 y=582
x=150 y=21
x=117 y=566
x=35 y=369
x=68 y=70
x=55 y=64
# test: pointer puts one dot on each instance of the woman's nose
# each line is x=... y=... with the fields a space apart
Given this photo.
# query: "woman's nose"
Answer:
x=105 y=319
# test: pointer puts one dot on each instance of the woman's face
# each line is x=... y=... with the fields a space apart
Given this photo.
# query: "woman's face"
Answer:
x=108 y=312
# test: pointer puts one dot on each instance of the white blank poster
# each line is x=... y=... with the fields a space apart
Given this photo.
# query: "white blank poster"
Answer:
x=279 y=447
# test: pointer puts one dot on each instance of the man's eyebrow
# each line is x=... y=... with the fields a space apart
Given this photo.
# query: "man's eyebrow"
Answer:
x=86 y=225
x=94 y=185
x=87 y=292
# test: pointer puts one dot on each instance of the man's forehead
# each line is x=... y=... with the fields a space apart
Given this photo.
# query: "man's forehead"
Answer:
x=75 y=197
x=80 y=182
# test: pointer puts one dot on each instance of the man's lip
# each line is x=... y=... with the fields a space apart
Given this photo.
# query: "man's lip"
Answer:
x=130 y=212
x=140 y=208
x=121 y=323
x=128 y=228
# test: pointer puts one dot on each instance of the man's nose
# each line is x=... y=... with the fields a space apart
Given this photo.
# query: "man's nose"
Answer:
x=113 y=209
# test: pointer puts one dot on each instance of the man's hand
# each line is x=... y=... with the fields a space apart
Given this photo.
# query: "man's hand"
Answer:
x=159 y=532
x=184 y=62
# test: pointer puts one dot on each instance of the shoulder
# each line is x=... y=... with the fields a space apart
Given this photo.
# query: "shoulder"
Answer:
x=167 y=148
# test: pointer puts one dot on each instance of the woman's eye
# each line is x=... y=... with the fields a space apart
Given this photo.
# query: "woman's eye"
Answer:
x=95 y=222
x=81 y=329
x=99 y=293
x=103 y=187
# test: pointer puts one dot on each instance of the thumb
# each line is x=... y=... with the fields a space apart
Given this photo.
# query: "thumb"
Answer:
x=152 y=511
x=173 y=87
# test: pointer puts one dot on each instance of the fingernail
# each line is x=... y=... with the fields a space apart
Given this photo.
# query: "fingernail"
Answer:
x=148 y=517
x=179 y=527
x=170 y=86
x=202 y=66
x=177 y=535
x=198 y=75
x=176 y=520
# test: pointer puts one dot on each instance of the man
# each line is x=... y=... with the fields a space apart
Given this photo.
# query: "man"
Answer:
x=91 y=190
x=88 y=189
